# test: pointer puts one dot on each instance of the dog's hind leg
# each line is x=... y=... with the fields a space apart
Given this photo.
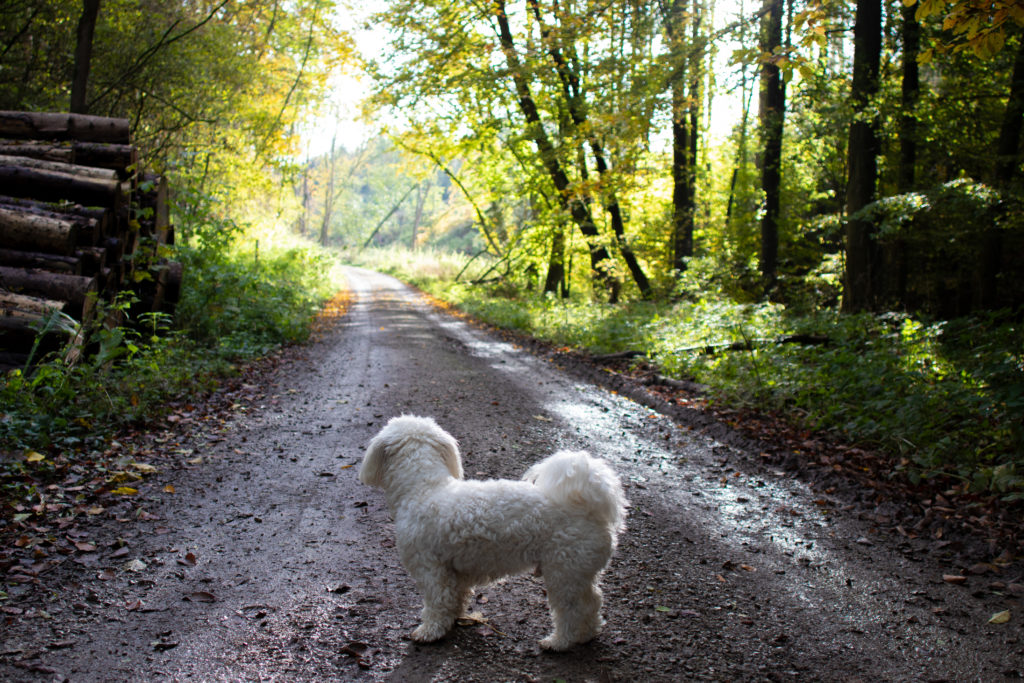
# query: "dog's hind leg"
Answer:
x=575 y=605
x=444 y=599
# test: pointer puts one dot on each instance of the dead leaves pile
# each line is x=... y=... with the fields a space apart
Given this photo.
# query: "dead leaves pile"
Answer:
x=72 y=490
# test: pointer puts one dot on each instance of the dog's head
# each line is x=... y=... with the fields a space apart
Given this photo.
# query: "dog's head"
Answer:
x=410 y=443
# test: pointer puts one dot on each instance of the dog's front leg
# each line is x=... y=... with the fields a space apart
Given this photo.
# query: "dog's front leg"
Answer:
x=444 y=600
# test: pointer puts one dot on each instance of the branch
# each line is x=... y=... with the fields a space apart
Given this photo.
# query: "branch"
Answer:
x=147 y=54
x=444 y=167
x=390 y=213
x=295 y=84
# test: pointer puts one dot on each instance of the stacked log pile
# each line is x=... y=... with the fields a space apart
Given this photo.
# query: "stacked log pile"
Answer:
x=78 y=224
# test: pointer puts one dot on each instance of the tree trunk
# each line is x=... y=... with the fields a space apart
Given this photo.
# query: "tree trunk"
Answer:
x=575 y=205
x=118 y=156
x=50 y=126
x=861 y=290
x=772 y=115
x=52 y=186
x=34 y=149
x=69 y=265
x=94 y=223
x=304 y=200
x=1007 y=161
x=325 y=225
x=74 y=289
x=20 y=305
x=59 y=167
x=908 y=100
x=556 y=261
x=83 y=54
x=577 y=113
x=683 y=170
x=34 y=232
x=421 y=198
x=741 y=149
x=1008 y=146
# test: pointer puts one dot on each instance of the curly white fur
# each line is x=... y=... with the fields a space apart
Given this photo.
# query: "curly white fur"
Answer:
x=452 y=535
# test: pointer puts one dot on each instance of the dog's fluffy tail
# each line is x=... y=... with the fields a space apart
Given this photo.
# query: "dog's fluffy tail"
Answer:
x=576 y=479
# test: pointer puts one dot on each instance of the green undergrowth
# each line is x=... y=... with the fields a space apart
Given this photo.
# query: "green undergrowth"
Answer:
x=235 y=306
x=941 y=397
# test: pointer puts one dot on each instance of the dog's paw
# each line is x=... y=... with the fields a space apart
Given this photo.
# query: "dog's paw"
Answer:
x=428 y=633
x=554 y=644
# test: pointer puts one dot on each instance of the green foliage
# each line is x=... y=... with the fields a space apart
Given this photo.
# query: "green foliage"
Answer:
x=222 y=76
x=943 y=398
x=235 y=307
x=246 y=302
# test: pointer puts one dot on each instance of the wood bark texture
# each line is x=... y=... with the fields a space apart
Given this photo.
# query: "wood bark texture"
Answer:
x=77 y=223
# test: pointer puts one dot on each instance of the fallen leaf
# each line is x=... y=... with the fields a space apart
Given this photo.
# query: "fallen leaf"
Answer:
x=169 y=488
x=189 y=560
x=1000 y=617
x=144 y=468
x=662 y=608
x=33 y=456
x=95 y=510
x=955 y=579
x=133 y=605
x=85 y=547
x=125 y=491
x=195 y=461
x=105 y=575
x=123 y=477
x=201 y=596
x=355 y=649
x=61 y=644
x=471 y=618
x=135 y=565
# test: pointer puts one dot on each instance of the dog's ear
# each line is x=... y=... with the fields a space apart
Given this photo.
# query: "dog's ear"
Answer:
x=450 y=454
x=373 y=462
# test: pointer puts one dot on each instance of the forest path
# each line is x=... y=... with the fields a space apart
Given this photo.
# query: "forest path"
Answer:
x=271 y=561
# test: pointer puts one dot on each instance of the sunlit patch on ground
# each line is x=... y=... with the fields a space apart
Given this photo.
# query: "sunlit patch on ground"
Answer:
x=333 y=310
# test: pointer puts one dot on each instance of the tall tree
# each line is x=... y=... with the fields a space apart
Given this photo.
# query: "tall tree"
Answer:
x=567 y=197
x=83 y=55
x=575 y=102
x=325 y=223
x=684 y=65
x=861 y=286
x=1008 y=144
x=1008 y=156
x=772 y=116
x=909 y=95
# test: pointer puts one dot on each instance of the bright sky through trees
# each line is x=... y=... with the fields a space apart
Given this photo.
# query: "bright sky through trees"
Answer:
x=340 y=115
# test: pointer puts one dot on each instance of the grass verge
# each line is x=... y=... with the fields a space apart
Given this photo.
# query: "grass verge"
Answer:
x=943 y=398
x=234 y=307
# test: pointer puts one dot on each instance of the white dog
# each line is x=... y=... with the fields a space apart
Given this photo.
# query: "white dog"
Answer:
x=563 y=519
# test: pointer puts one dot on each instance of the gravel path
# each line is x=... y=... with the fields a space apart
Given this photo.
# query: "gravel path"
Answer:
x=269 y=561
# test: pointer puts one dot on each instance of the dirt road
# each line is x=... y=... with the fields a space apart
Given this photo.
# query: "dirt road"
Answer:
x=255 y=554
